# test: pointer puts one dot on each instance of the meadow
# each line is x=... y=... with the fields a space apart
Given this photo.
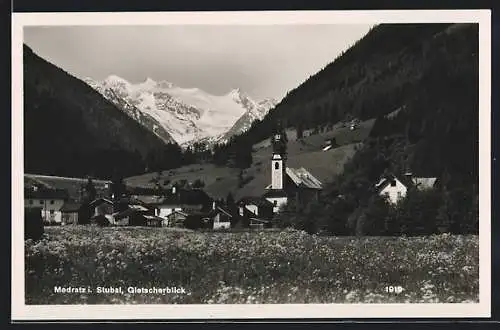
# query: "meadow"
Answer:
x=248 y=267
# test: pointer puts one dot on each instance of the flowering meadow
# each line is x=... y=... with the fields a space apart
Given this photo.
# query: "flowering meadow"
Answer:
x=248 y=267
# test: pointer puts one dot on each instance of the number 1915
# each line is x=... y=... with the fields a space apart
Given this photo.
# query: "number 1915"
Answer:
x=393 y=289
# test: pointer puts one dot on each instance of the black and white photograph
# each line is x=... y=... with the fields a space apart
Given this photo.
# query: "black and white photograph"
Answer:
x=251 y=164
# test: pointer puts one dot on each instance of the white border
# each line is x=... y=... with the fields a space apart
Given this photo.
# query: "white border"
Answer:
x=20 y=311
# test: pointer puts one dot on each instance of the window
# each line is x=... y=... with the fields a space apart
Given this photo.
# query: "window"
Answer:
x=275 y=203
x=52 y=202
x=393 y=183
x=31 y=202
x=52 y=215
x=400 y=195
x=276 y=166
x=41 y=202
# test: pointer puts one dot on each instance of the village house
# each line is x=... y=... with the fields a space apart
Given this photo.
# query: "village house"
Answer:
x=49 y=199
x=70 y=211
x=101 y=206
x=216 y=218
x=395 y=188
x=176 y=219
x=132 y=215
x=255 y=207
x=286 y=182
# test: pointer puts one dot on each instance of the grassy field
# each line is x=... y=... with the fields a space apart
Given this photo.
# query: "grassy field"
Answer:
x=244 y=267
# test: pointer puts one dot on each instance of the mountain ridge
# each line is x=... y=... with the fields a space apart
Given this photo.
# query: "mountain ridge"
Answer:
x=188 y=115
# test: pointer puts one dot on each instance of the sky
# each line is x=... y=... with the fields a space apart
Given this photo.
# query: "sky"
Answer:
x=265 y=61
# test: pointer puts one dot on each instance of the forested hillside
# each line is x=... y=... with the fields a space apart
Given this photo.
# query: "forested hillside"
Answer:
x=71 y=130
x=426 y=77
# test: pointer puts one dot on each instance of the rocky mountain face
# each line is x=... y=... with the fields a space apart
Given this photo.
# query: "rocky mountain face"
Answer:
x=187 y=115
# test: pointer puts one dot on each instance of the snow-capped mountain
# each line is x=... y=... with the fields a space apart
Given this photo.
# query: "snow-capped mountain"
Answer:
x=186 y=114
x=256 y=111
x=114 y=95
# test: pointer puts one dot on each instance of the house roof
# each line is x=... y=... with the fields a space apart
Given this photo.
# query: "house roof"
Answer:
x=178 y=212
x=71 y=207
x=220 y=209
x=153 y=217
x=124 y=213
x=101 y=200
x=45 y=193
x=181 y=197
x=137 y=207
x=259 y=201
x=211 y=213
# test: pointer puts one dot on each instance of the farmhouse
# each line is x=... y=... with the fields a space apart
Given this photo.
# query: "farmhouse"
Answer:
x=176 y=219
x=395 y=188
x=133 y=215
x=288 y=182
x=70 y=212
x=49 y=199
x=255 y=207
x=101 y=206
x=218 y=218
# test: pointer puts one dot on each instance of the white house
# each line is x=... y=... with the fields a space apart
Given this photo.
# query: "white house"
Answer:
x=49 y=200
x=222 y=219
x=395 y=188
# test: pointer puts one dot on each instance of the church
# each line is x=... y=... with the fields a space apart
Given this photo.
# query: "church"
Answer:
x=287 y=182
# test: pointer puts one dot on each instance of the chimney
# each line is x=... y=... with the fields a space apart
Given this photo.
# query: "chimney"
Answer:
x=173 y=190
x=213 y=205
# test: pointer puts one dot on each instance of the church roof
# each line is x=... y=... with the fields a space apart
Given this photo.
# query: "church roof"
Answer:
x=302 y=178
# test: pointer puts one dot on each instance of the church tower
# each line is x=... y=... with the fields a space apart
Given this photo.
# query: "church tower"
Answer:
x=278 y=160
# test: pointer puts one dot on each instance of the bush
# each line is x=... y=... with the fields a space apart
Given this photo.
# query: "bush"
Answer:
x=33 y=224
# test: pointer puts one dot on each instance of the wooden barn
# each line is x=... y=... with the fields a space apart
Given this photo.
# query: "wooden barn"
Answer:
x=176 y=219
x=70 y=211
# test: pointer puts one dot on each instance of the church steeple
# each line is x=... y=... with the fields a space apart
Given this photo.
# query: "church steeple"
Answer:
x=278 y=160
x=279 y=140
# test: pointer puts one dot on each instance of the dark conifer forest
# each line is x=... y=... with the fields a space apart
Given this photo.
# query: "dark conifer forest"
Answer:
x=427 y=76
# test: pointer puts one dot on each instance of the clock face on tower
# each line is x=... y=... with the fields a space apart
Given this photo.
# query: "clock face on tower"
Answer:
x=277 y=137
